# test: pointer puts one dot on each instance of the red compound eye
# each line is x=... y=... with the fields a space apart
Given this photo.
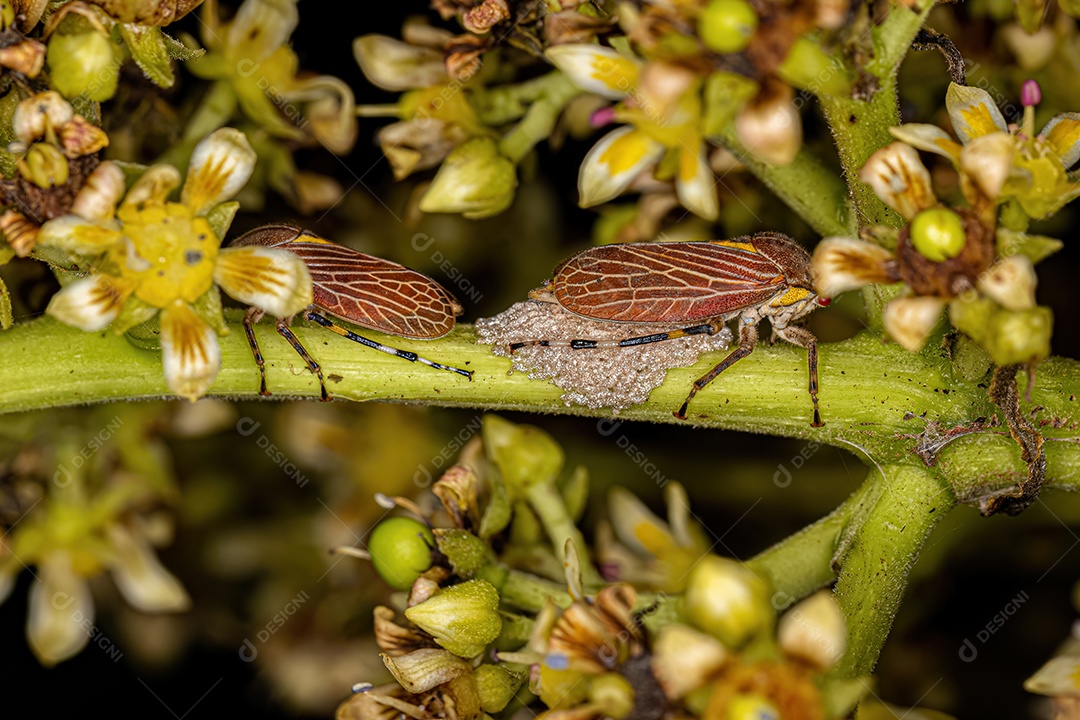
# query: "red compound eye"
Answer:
x=824 y=302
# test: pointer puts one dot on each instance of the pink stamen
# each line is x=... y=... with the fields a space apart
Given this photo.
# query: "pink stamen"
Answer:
x=602 y=117
x=1030 y=93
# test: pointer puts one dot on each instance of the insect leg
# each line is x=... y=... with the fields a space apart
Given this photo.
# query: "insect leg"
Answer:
x=285 y=332
x=748 y=336
x=405 y=354
x=710 y=328
x=804 y=338
x=252 y=316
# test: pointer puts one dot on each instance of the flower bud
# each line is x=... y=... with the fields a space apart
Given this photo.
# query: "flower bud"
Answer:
x=726 y=600
x=938 y=234
x=474 y=180
x=496 y=686
x=814 y=631
x=727 y=25
x=809 y=67
x=462 y=618
x=1010 y=283
x=1023 y=336
x=972 y=315
x=465 y=551
x=45 y=166
x=85 y=63
x=909 y=320
x=400 y=549
x=612 y=694
x=524 y=454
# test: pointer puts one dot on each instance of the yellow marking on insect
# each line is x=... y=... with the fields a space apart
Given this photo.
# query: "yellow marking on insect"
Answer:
x=749 y=247
x=792 y=296
x=305 y=238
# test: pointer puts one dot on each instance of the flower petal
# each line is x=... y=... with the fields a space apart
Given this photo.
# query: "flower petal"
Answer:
x=190 y=354
x=101 y=193
x=260 y=27
x=973 y=112
x=1060 y=676
x=844 y=263
x=89 y=304
x=613 y=163
x=331 y=112
x=272 y=279
x=814 y=631
x=987 y=161
x=72 y=233
x=142 y=579
x=60 y=606
x=909 y=320
x=636 y=526
x=900 y=179
x=930 y=138
x=1062 y=134
x=596 y=69
x=393 y=65
x=153 y=186
x=1010 y=282
x=220 y=166
x=695 y=184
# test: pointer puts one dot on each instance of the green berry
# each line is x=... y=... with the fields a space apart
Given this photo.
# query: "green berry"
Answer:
x=726 y=25
x=938 y=234
x=400 y=549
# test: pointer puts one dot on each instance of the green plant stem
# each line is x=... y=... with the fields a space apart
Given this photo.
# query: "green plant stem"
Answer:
x=860 y=125
x=540 y=118
x=506 y=103
x=802 y=563
x=807 y=185
x=880 y=554
x=545 y=500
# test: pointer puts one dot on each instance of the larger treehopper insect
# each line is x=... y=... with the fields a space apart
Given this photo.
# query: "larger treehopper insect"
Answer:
x=708 y=283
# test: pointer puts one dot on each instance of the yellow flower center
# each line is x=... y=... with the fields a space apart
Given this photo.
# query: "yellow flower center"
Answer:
x=171 y=255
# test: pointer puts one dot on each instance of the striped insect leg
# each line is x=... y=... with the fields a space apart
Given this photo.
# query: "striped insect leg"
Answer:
x=252 y=316
x=748 y=337
x=710 y=328
x=404 y=354
x=804 y=338
x=285 y=332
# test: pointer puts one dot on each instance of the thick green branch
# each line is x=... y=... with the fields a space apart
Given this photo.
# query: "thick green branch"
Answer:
x=879 y=556
x=876 y=398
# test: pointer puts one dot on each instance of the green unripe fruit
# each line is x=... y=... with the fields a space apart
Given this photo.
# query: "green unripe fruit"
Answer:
x=726 y=25
x=400 y=549
x=938 y=234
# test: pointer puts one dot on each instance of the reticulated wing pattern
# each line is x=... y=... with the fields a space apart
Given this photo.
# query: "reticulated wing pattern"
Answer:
x=672 y=282
x=375 y=293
